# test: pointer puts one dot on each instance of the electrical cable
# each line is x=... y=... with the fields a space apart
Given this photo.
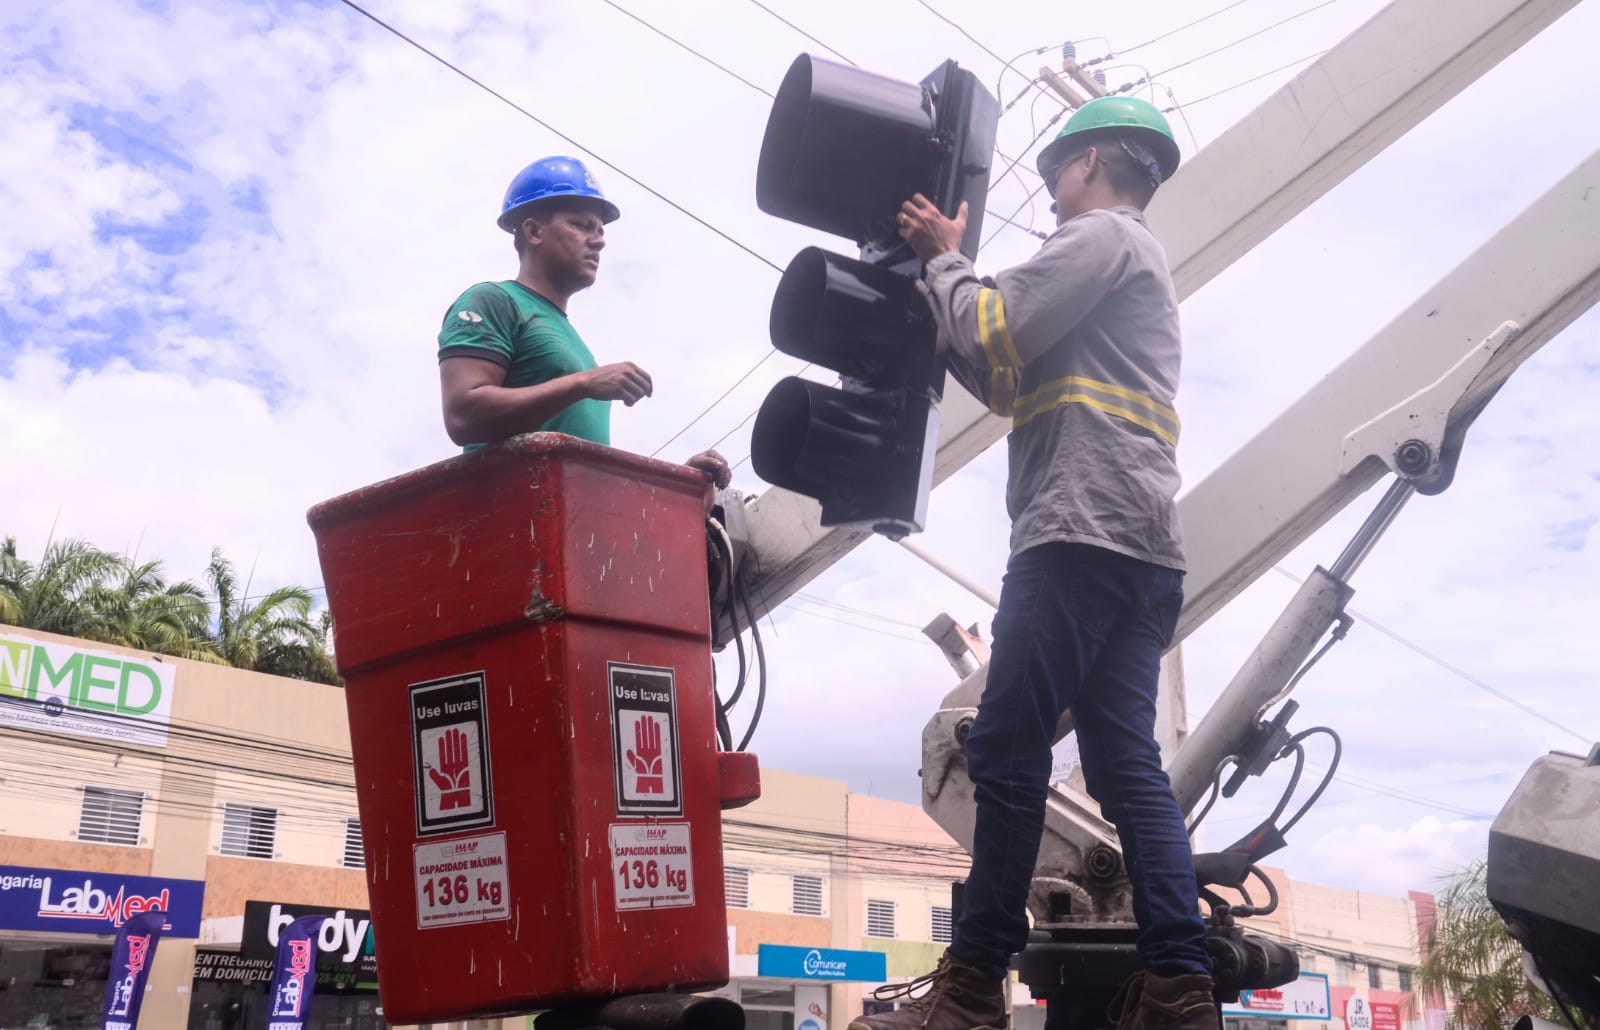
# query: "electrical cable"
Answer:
x=1237 y=85
x=1555 y=993
x=1333 y=765
x=557 y=132
x=804 y=33
x=1169 y=32
x=678 y=42
x=761 y=671
x=1182 y=114
x=720 y=398
x=1229 y=46
x=1455 y=670
x=955 y=25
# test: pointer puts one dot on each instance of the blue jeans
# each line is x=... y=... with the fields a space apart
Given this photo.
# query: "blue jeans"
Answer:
x=1080 y=628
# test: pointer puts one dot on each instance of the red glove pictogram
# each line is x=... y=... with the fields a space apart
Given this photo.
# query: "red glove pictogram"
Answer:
x=647 y=762
x=452 y=777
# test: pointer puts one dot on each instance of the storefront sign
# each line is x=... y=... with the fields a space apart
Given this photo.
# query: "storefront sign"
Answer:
x=1363 y=1012
x=226 y=967
x=73 y=901
x=56 y=688
x=344 y=942
x=820 y=963
x=1305 y=998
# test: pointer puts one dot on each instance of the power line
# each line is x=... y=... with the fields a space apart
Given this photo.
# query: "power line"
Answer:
x=680 y=43
x=1243 y=39
x=1169 y=32
x=1456 y=670
x=557 y=132
x=804 y=33
x=957 y=26
x=813 y=599
x=1239 y=85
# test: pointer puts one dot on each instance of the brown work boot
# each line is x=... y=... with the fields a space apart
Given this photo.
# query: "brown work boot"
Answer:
x=958 y=997
x=1150 y=1002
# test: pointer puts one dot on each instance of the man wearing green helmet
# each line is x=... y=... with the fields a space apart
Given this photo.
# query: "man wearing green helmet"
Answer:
x=1079 y=347
x=510 y=361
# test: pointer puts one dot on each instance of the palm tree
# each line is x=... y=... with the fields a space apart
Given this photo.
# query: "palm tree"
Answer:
x=59 y=595
x=1469 y=957
x=142 y=610
x=274 y=635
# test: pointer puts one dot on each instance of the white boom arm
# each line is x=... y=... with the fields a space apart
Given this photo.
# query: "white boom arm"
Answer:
x=1300 y=143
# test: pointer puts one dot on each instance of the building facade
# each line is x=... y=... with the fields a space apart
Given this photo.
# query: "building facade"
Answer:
x=227 y=798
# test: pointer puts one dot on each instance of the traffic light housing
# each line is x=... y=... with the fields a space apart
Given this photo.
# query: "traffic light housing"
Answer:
x=843 y=149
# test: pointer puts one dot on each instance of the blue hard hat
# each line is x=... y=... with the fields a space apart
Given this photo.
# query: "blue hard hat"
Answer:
x=552 y=177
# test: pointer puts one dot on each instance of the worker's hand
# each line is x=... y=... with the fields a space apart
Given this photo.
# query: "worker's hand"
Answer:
x=713 y=464
x=928 y=231
x=623 y=381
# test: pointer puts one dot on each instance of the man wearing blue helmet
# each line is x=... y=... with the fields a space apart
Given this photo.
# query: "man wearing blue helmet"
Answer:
x=510 y=361
x=1079 y=347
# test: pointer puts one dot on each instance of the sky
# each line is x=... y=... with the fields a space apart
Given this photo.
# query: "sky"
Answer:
x=228 y=234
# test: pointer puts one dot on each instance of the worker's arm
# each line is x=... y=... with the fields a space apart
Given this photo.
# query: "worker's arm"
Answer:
x=996 y=329
x=480 y=408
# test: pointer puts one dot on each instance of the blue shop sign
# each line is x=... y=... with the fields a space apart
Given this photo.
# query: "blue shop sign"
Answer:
x=75 y=901
x=820 y=963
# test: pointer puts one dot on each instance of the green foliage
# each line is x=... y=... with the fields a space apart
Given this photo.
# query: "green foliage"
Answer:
x=78 y=590
x=1469 y=958
x=275 y=635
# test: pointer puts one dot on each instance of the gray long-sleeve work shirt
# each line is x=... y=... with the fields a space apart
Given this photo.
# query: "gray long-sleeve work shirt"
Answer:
x=1079 y=346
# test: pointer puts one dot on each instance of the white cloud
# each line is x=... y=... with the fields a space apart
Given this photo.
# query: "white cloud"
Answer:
x=1392 y=860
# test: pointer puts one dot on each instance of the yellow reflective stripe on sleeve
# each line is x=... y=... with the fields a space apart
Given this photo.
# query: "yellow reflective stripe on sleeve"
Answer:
x=1107 y=397
x=1003 y=391
x=998 y=347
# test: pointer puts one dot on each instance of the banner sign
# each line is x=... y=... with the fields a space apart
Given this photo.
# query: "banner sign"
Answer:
x=820 y=963
x=294 y=979
x=73 y=901
x=56 y=688
x=131 y=956
x=344 y=939
x=1305 y=998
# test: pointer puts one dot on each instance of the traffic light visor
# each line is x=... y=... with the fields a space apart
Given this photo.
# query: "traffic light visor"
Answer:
x=865 y=321
x=844 y=148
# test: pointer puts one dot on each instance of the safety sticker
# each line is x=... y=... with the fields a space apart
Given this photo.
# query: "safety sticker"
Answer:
x=644 y=739
x=651 y=865
x=462 y=881
x=450 y=755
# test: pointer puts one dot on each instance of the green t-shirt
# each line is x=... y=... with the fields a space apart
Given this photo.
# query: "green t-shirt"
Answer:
x=531 y=339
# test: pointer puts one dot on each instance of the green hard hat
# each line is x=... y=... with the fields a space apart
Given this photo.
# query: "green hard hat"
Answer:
x=1130 y=118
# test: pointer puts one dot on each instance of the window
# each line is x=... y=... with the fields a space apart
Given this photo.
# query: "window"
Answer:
x=807 y=896
x=939 y=932
x=354 y=856
x=110 y=816
x=1405 y=978
x=248 y=831
x=880 y=918
x=1374 y=976
x=736 y=885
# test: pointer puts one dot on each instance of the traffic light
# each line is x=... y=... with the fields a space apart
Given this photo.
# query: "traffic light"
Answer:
x=843 y=149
